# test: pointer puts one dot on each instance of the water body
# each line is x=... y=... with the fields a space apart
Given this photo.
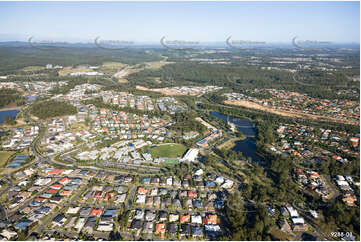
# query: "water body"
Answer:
x=243 y=125
x=6 y=113
x=247 y=146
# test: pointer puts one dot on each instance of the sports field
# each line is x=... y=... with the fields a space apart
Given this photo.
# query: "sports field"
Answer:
x=169 y=150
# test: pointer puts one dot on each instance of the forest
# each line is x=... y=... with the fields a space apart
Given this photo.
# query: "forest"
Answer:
x=15 y=56
x=51 y=109
x=240 y=78
x=8 y=96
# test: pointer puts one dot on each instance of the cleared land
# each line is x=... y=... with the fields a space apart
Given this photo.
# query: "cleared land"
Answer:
x=112 y=66
x=205 y=123
x=165 y=91
x=281 y=235
x=229 y=144
x=156 y=64
x=67 y=70
x=33 y=68
x=169 y=150
x=253 y=105
x=132 y=69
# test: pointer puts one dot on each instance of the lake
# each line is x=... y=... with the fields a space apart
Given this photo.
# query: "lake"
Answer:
x=247 y=146
x=6 y=113
x=243 y=125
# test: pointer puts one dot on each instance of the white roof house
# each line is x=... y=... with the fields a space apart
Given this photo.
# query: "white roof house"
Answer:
x=196 y=219
x=342 y=183
x=191 y=155
x=219 y=180
x=79 y=225
x=227 y=184
x=169 y=181
x=199 y=172
x=340 y=178
x=104 y=227
x=212 y=227
x=73 y=210
x=141 y=199
x=8 y=234
x=139 y=214
x=42 y=181
x=293 y=212
x=298 y=220
x=314 y=213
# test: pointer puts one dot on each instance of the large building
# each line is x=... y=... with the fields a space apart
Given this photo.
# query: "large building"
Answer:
x=191 y=155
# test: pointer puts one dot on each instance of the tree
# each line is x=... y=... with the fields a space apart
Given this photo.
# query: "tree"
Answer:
x=52 y=108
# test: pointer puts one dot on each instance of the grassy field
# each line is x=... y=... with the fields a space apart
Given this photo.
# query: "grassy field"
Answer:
x=229 y=144
x=33 y=68
x=4 y=156
x=171 y=150
x=280 y=235
x=111 y=67
x=67 y=70
x=77 y=127
x=156 y=64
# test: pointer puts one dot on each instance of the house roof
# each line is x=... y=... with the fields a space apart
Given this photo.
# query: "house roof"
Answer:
x=197 y=231
x=96 y=212
x=59 y=218
x=52 y=191
x=159 y=228
x=184 y=218
x=142 y=190
x=136 y=224
x=172 y=228
x=110 y=212
x=186 y=229
x=210 y=219
x=56 y=198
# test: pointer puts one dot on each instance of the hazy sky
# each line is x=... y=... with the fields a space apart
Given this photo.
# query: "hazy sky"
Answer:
x=193 y=21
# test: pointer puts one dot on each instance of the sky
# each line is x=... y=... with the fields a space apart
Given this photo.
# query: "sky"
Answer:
x=337 y=22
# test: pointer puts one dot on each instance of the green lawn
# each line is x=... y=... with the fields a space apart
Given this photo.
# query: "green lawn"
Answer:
x=4 y=155
x=171 y=150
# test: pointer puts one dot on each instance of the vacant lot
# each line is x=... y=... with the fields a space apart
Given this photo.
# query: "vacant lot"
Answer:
x=169 y=150
x=111 y=67
x=33 y=68
x=252 y=105
x=229 y=144
x=156 y=64
x=67 y=70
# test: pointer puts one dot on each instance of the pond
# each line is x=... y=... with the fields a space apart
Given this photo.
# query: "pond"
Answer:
x=247 y=146
x=6 y=113
x=243 y=125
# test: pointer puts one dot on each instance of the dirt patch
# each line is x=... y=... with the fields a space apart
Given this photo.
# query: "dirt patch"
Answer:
x=205 y=123
x=122 y=80
x=33 y=68
x=142 y=88
x=165 y=91
x=253 y=105
x=10 y=106
x=229 y=144
x=122 y=73
x=156 y=64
